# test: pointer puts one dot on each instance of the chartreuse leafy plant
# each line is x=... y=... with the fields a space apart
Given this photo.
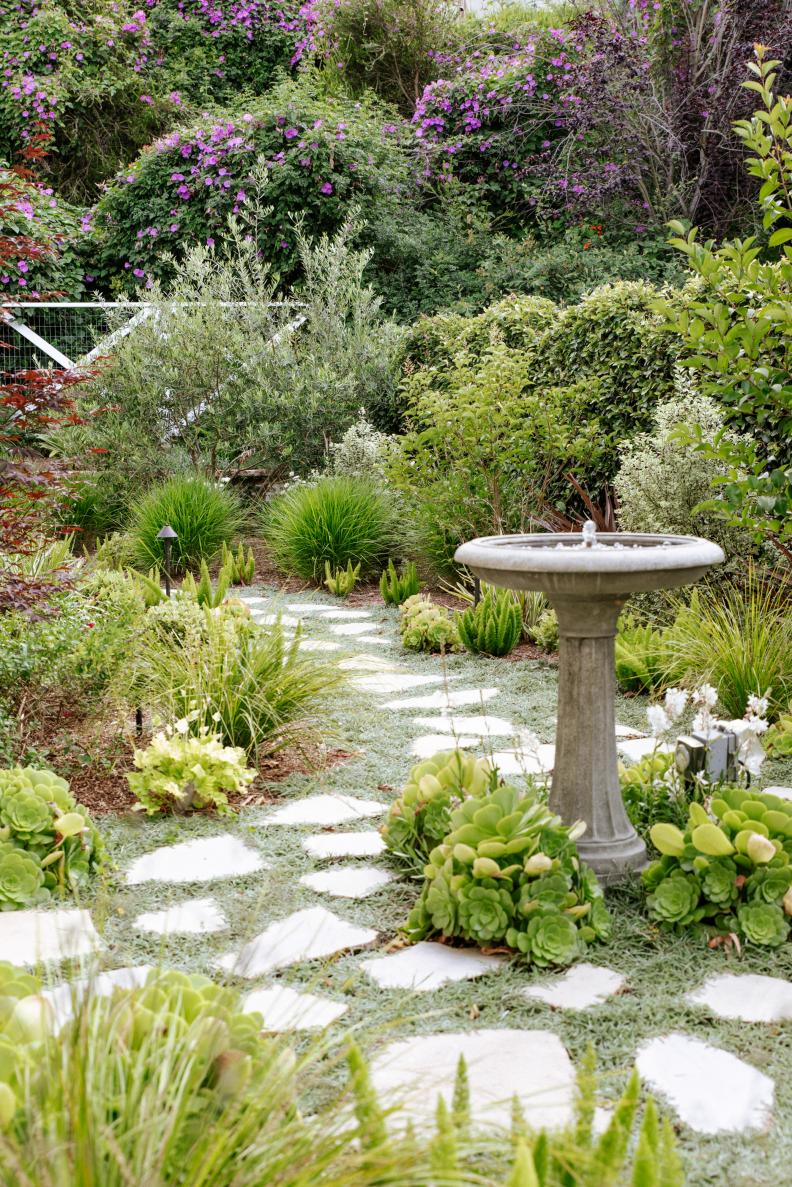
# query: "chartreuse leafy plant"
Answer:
x=728 y=873
x=48 y=843
x=508 y=872
x=397 y=587
x=180 y=769
x=421 y=817
x=425 y=626
x=494 y=626
x=342 y=581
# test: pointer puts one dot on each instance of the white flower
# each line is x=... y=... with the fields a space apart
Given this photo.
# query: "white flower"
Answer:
x=757 y=706
x=705 y=695
x=675 y=702
x=658 y=720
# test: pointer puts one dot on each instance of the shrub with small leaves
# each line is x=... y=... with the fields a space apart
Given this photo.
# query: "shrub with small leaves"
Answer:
x=729 y=872
x=180 y=769
x=427 y=627
x=508 y=872
x=494 y=626
x=421 y=817
x=398 y=587
x=48 y=843
x=545 y=633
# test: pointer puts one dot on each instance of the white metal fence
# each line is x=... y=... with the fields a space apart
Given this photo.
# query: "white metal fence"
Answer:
x=60 y=334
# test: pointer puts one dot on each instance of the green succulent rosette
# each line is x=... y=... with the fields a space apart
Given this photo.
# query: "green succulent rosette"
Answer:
x=719 y=882
x=485 y=912
x=21 y=879
x=769 y=884
x=553 y=939
x=675 y=899
x=763 y=923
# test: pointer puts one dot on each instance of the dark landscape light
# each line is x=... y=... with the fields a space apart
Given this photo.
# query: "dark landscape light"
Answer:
x=167 y=535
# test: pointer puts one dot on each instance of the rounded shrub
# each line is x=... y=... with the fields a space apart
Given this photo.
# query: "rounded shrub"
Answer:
x=321 y=157
x=333 y=521
x=203 y=515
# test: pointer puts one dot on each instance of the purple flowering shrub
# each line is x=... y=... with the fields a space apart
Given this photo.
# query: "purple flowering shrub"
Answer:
x=46 y=232
x=321 y=157
x=103 y=83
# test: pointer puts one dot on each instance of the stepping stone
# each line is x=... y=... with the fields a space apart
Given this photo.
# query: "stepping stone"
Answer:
x=195 y=917
x=582 y=986
x=430 y=744
x=525 y=762
x=746 y=996
x=427 y=966
x=351 y=628
x=306 y=607
x=627 y=731
x=458 y=723
x=271 y=619
x=348 y=615
x=375 y=640
x=286 y=1009
x=365 y=844
x=637 y=748
x=202 y=860
x=784 y=793
x=63 y=998
x=36 y=936
x=304 y=935
x=318 y=645
x=332 y=808
x=445 y=700
x=711 y=1090
x=367 y=663
x=397 y=681
x=531 y=1064
x=347 y=881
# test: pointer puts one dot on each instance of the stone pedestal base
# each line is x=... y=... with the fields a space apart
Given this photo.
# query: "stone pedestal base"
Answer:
x=585 y=777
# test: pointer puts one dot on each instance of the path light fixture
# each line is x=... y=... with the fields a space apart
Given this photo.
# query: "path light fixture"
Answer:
x=167 y=535
x=711 y=756
x=587 y=580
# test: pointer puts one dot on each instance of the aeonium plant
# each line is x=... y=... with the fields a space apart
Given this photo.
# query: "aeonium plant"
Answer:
x=181 y=769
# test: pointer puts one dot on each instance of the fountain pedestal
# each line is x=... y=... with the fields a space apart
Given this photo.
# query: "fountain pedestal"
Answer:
x=585 y=773
x=587 y=580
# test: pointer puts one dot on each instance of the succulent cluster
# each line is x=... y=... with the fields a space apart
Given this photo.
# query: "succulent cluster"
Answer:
x=397 y=587
x=729 y=872
x=427 y=627
x=340 y=581
x=508 y=873
x=243 y=568
x=421 y=817
x=48 y=843
x=494 y=626
x=180 y=770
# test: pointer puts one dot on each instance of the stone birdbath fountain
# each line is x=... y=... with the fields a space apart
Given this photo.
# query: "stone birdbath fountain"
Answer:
x=587 y=579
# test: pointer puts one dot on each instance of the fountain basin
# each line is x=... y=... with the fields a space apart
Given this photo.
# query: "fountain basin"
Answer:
x=587 y=579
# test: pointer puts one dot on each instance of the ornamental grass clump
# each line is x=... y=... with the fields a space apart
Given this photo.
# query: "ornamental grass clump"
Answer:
x=180 y=770
x=421 y=817
x=494 y=626
x=203 y=515
x=729 y=873
x=48 y=843
x=427 y=627
x=508 y=873
x=336 y=522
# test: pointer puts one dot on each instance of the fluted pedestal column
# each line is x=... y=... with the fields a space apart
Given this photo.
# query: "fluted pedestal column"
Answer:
x=585 y=775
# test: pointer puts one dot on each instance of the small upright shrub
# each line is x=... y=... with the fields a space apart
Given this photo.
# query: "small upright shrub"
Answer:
x=243 y=567
x=181 y=770
x=427 y=627
x=494 y=626
x=545 y=633
x=203 y=515
x=333 y=521
x=398 y=587
x=342 y=581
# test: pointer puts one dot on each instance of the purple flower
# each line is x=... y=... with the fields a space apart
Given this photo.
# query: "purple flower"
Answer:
x=327 y=188
x=290 y=133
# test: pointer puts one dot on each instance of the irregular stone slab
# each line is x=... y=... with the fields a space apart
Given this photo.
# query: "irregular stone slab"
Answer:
x=264 y=619
x=202 y=860
x=364 y=844
x=330 y=808
x=531 y=1064
x=711 y=1090
x=397 y=681
x=284 y=1008
x=351 y=628
x=582 y=986
x=784 y=793
x=306 y=607
x=36 y=936
x=538 y=761
x=375 y=640
x=637 y=748
x=430 y=744
x=199 y=916
x=304 y=935
x=747 y=996
x=64 y=998
x=367 y=663
x=458 y=723
x=347 y=881
x=444 y=699
x=628 y=731
x=347 y=615
x=426 y=966
x=318 y=645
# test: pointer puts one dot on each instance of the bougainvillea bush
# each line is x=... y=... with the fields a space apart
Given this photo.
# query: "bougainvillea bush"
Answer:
x=317 y=157
x=48 y=844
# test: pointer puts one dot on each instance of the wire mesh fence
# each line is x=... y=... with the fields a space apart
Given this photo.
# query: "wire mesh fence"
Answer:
x=57 y=334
